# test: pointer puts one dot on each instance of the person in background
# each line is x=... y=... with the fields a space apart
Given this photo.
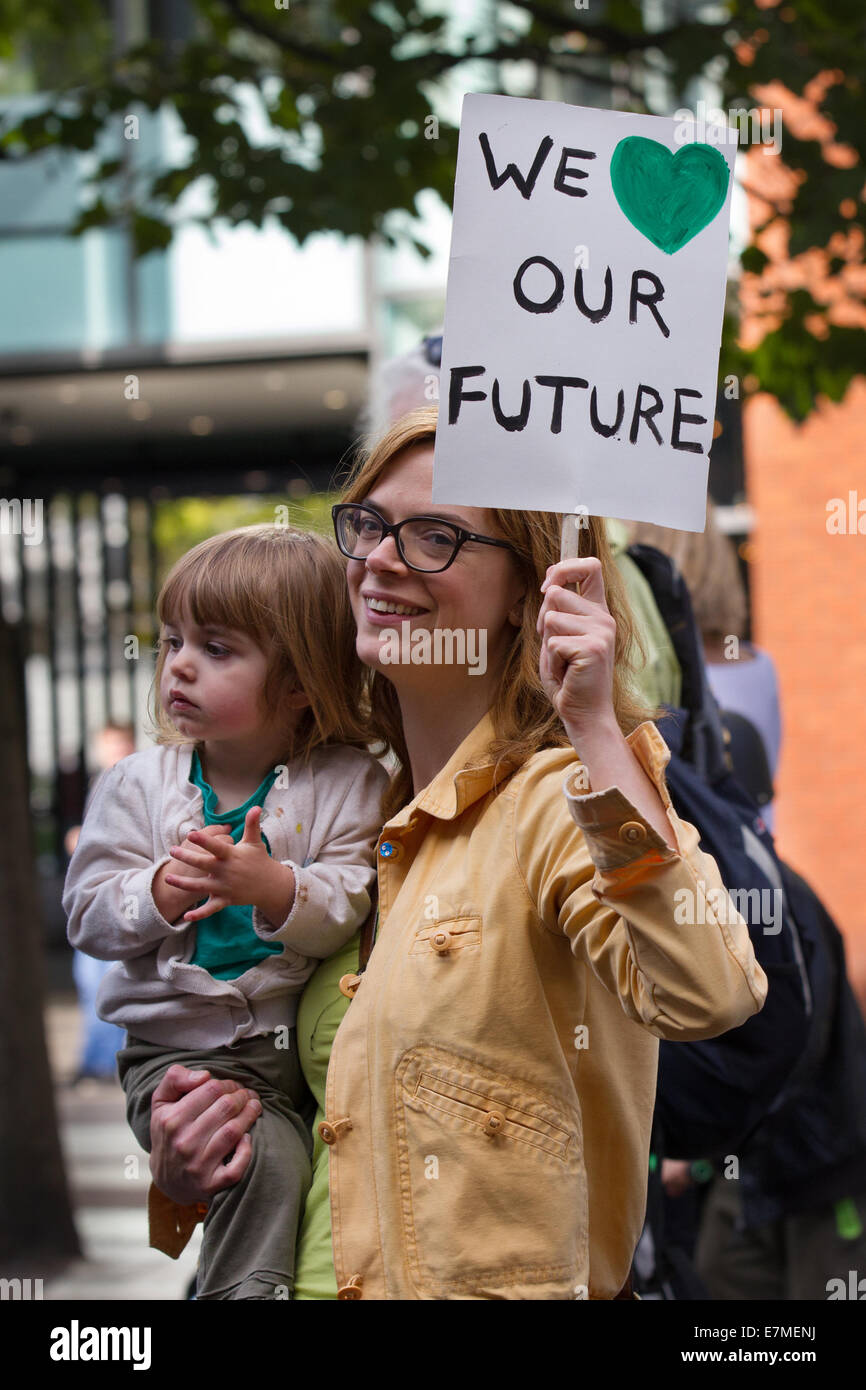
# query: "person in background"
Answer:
x=100 y=1041
x=742 y=676
x=793 y=1223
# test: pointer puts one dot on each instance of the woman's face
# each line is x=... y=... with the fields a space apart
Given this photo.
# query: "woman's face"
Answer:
x=480 y=592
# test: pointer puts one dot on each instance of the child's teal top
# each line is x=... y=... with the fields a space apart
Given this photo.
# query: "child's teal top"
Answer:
x=226 y=944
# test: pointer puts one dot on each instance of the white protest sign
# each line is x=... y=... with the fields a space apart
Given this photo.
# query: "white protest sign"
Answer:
x=584 y=311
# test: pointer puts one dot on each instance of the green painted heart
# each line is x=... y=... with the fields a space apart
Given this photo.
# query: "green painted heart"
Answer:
x=668 y=197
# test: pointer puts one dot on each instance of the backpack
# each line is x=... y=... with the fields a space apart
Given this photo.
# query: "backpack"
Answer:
x=712 y=1094
x=787 y=1090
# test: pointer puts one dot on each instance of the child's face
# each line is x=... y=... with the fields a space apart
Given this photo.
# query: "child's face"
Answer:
x=212 y=681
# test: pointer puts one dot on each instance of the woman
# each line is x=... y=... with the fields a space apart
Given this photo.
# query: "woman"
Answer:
x=490 y=1091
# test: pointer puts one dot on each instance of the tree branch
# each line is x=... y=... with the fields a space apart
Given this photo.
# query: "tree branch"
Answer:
x=444 y=62
x=615 y=40
x=438 y=63
x=280 y=37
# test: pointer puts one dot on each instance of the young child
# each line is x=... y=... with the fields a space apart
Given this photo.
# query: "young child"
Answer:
x=221 y=865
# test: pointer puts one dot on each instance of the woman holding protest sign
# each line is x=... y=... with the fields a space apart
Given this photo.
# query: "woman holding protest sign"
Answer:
x=490 y=1090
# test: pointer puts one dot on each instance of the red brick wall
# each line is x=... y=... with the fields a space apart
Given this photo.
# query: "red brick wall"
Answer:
x=809 y=609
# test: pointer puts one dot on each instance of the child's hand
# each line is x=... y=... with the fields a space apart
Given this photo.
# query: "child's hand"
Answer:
x=239 y=874
x=171 y=891
x=181 y=875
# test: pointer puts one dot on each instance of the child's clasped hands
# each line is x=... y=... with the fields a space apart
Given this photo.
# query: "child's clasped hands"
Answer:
x=233 y=874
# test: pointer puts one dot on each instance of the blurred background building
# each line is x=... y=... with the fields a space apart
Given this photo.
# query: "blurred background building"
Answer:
x=151 y=402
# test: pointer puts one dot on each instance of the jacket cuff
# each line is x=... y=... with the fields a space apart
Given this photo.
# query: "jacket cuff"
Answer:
x=303 y=912
x=147 y=924
x=171 y=1225
x=330 y=904
x=617 y=835
x=153 y=913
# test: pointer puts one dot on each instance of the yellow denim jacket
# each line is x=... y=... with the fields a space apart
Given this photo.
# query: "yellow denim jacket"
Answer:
x=490 y=1091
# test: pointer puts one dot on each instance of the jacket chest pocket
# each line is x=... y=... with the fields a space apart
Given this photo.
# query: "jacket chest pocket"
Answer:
x=493 y=1188
x=447 y=936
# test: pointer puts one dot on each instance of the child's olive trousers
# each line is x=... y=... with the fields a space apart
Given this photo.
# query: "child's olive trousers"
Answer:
x=248 y=1242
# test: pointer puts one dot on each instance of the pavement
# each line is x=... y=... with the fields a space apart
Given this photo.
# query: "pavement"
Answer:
x=108 y=1176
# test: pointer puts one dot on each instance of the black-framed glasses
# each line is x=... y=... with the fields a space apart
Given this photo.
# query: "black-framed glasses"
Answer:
x=425 y=543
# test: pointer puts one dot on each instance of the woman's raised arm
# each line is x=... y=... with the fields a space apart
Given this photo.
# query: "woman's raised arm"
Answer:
x=576 y=668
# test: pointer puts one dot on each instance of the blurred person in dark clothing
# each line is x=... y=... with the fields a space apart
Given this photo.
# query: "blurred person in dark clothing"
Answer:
x=741 y=675
x=100 y=1041
x=785 y=1215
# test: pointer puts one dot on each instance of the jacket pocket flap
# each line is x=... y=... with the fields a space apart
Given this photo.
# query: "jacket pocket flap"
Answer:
x=479 y=1109
x=446 y=935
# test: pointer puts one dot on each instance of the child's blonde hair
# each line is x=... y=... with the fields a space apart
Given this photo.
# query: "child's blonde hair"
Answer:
x=286 y=589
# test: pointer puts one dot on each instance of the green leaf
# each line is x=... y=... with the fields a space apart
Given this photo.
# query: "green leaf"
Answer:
x=149 y=234
x=753 y=260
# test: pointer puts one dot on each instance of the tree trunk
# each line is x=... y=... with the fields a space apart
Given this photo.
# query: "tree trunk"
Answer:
x=35 y=1211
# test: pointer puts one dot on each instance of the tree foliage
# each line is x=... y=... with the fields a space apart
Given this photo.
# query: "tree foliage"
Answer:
x=183 y=522
x=318 y=115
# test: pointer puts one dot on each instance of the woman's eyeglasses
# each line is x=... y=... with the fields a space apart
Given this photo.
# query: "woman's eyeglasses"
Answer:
x=424 y=543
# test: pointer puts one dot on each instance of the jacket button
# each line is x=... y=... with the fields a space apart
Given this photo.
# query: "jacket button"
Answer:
x=331 y=1130
x=494 y=1122
x=349 y=985
x=441 y=942
x=389 y=850
x=632 y=833
x=351 y=1290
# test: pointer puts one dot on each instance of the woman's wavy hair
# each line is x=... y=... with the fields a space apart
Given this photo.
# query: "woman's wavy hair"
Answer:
x=523 y=717
x=286 y=589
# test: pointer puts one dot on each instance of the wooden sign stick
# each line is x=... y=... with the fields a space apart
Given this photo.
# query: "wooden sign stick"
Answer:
x=569 y=545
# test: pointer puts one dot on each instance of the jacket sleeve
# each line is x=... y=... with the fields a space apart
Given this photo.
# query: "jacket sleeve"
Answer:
x=655 y=925
x=332 y=897
x=108 y=895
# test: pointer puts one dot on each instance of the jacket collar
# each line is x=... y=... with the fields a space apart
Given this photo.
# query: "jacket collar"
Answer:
x=182 y=753
x=458 y=786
